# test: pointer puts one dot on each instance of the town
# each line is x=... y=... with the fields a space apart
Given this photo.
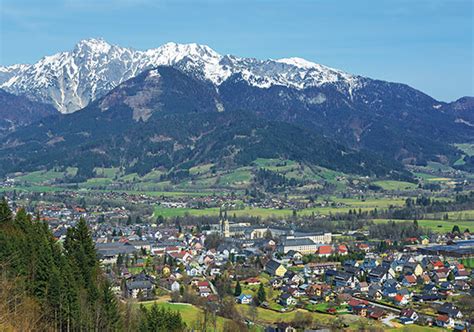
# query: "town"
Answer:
x=335 y=279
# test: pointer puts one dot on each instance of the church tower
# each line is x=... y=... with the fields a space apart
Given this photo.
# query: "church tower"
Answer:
x=224 y=224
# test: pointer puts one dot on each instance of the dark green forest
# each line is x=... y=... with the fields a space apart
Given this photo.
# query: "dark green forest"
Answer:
x=49 y=286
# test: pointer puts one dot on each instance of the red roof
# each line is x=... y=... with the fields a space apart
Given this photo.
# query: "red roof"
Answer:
x=438 y=264
x=410 y=278
x=443 y=318
x=411 y=239
x=203 y=284
x=252 y=281
x=407 y=312
x=398 y=298
x=355 y=302
x=342 y=248
x=324 y=250
x=376 y=313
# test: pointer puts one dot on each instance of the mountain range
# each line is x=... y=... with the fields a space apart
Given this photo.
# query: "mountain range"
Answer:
x=183 y=104
x=70 y=80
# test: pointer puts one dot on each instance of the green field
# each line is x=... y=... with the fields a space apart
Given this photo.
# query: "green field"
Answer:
x=103 y=172
x=395 y=185
x=432 y=178
x=255 y=212
x=200 y=169
x=371 y=202
x=32 y=188
x=40 y=176
x=440 y=226
x=188 y=312
x=468 y=262
x=349 y=204
x=241 y=175
x=267 y=316
x=467 y=148
x=465 y=215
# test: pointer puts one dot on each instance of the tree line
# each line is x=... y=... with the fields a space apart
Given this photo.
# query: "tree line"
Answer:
x=48 y=285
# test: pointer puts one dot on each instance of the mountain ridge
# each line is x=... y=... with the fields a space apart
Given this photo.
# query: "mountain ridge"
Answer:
x=392 y=120
x=164 y=118
x=70 y=80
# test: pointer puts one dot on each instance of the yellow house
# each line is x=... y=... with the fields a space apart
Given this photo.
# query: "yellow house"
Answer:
x=418 y=271
x=275 y=268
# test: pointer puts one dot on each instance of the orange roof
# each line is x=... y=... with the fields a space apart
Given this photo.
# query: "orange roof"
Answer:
x=410 y=278
x=398 y=298
x=324 y=250
x=342 y=248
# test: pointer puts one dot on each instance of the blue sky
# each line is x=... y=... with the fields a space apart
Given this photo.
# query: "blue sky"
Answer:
x=427 y=44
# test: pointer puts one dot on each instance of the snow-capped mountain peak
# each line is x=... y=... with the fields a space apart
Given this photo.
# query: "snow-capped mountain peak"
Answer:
x=298 y=62
x=96 y=45
x=70 y=80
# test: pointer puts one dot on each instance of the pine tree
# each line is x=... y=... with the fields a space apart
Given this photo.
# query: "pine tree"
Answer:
x=5 y=213
x=261 y=296
x=110 y=313
x=238 y=289
x=80 y=249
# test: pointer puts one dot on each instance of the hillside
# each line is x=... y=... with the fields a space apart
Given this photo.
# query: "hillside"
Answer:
x=393 y=120
x=166 y=119
x=18 y=111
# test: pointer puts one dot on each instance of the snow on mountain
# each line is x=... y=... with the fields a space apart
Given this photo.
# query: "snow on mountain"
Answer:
x=70 y=80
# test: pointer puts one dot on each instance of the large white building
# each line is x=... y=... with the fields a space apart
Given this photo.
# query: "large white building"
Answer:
x=305 y=243
x=304 y=246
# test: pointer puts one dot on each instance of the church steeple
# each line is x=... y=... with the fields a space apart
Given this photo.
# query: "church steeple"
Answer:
x=224 y=227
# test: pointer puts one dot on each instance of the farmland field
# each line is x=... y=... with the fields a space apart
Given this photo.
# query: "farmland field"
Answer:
x=364 y=205
x=467 y=148
x=465 y=215
x=436 y=225
x=395 y=185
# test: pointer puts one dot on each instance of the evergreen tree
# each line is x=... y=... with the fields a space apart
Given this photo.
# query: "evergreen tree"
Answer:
x=110 y=312
x=451 y=276
x=5 y=213
x=81 y=251
x=238 y=289
x=261 y=295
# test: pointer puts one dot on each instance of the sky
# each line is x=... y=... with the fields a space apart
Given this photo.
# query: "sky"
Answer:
x=427 y=44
